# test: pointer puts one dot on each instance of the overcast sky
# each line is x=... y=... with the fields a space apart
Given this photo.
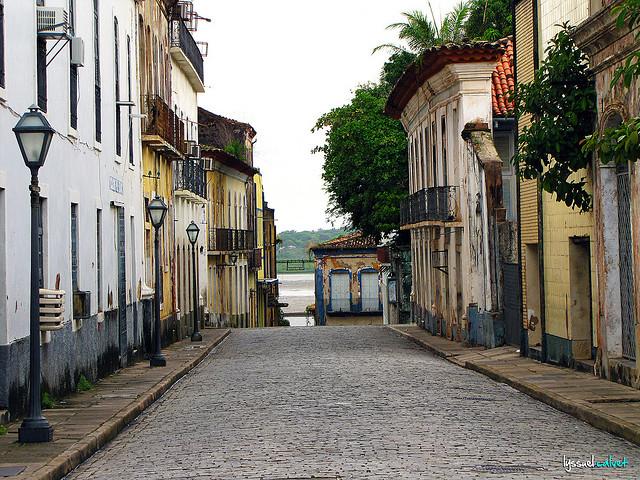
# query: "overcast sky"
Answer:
x=279 y=65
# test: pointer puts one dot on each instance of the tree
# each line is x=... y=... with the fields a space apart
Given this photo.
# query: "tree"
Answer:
x=365 y=166
x=420 y=33
x=562 y=102
x=394 y=68
x=489 y=20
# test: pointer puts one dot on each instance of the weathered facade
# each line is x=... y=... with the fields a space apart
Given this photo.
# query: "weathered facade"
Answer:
x=557 y=242
x=615 y=200
x=231 y=220
x=90 y=212
x=455 y=110
x=347 y=284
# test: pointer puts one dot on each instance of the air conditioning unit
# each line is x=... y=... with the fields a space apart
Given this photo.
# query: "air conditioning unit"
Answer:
x=77 y=51
x=51 y=22
x=194 y=151
x=81 y=304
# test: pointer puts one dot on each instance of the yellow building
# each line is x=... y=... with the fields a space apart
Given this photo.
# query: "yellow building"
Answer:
x=558 y=274
x=227 y=150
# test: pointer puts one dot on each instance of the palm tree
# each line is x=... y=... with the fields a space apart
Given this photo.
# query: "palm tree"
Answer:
x=421 y=33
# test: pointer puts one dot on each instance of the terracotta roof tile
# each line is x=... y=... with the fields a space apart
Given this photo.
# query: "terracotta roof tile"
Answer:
x=502 y=80
x=352 y=240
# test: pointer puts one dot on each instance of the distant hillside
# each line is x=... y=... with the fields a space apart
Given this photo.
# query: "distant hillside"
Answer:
x=295 y=245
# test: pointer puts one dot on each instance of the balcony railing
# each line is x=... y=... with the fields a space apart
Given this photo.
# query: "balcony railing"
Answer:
x=189 y=175
x=229 y=240
x=345 y=305
x=255 y=259
x=430 y=204
x=161 y=121
x=181 y=38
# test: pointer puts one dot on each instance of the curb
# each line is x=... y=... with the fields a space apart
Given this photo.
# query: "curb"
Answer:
x=427 y=346
x=64 y=463
x=595 y=418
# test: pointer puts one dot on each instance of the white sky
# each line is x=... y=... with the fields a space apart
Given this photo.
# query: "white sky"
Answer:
x=279 y=65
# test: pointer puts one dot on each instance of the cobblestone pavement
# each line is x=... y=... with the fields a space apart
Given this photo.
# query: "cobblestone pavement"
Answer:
x=347 y=403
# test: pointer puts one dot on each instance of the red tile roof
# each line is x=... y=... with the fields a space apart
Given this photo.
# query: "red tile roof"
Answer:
x=354 y=240
x=436 y=58
x=503 y=83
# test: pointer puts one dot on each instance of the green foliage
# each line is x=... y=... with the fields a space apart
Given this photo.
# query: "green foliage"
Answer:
x=489 y=20
x=365 y=166
x=84 y=385
x=3 y=430
x=237 y=149
x=419 y=32
x=47 y=400
x=394 y=68
x=562 y=101
x=619 y=144
x=295 y=245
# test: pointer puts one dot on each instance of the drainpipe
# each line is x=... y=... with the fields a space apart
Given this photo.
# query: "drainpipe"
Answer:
x=524 y=336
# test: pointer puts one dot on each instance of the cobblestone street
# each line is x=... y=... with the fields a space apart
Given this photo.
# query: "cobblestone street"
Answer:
x=347 y=402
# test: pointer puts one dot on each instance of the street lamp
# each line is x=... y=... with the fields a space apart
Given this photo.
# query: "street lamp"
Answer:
x=157 y=211
x=192 y=232
x=34 y=135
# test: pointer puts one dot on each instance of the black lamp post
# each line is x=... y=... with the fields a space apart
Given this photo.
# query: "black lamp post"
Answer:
x=192 y=232
x=34 y=134
x=157 y=211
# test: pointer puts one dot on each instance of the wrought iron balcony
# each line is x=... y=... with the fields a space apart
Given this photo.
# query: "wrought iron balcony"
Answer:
x=162 y=128
x=186 y=53
x=430 y=204
x=229 y=240
x=189 y=176
x=347 y=306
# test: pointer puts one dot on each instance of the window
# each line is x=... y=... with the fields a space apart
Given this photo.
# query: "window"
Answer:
x=41 y=243
x=74 y=247
x=73 y=71
x=369 y=296
x=99 y=258
x=41 y=66
x=129 y=89
x=340 y=292
x=2 y=43
x=443 y=124
x=504 y=146
x=434 y=160
x=116 y=70
x=96 y=81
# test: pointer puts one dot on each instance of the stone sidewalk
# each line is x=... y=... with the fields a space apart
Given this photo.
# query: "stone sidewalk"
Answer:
x=606 y=405
x=84 y=422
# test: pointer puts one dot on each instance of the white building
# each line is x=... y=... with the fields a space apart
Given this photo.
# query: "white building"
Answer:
x=92 y=211
x=187 y=81
x=461 y=233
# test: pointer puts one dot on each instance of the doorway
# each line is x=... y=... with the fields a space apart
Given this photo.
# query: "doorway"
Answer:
x=122 y=285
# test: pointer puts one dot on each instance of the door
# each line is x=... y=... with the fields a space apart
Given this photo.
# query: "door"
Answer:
x=626 y=263
x=340 y=292
x=369 y=291
x=512 y=312
x=122 y=286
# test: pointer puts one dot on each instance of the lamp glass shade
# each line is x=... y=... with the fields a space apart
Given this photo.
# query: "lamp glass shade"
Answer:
x=34 y=135
x=157 y=211
x=192 y=232
x=233 y=258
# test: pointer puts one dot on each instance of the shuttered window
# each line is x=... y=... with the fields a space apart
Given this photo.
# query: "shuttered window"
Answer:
x=116 y=67
x=369 y=291
x=96 y=73
x=41 y=67
x=73 y=71
x=2 y=82
x=74 y=246
x=340 y=292
x=129 y=89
